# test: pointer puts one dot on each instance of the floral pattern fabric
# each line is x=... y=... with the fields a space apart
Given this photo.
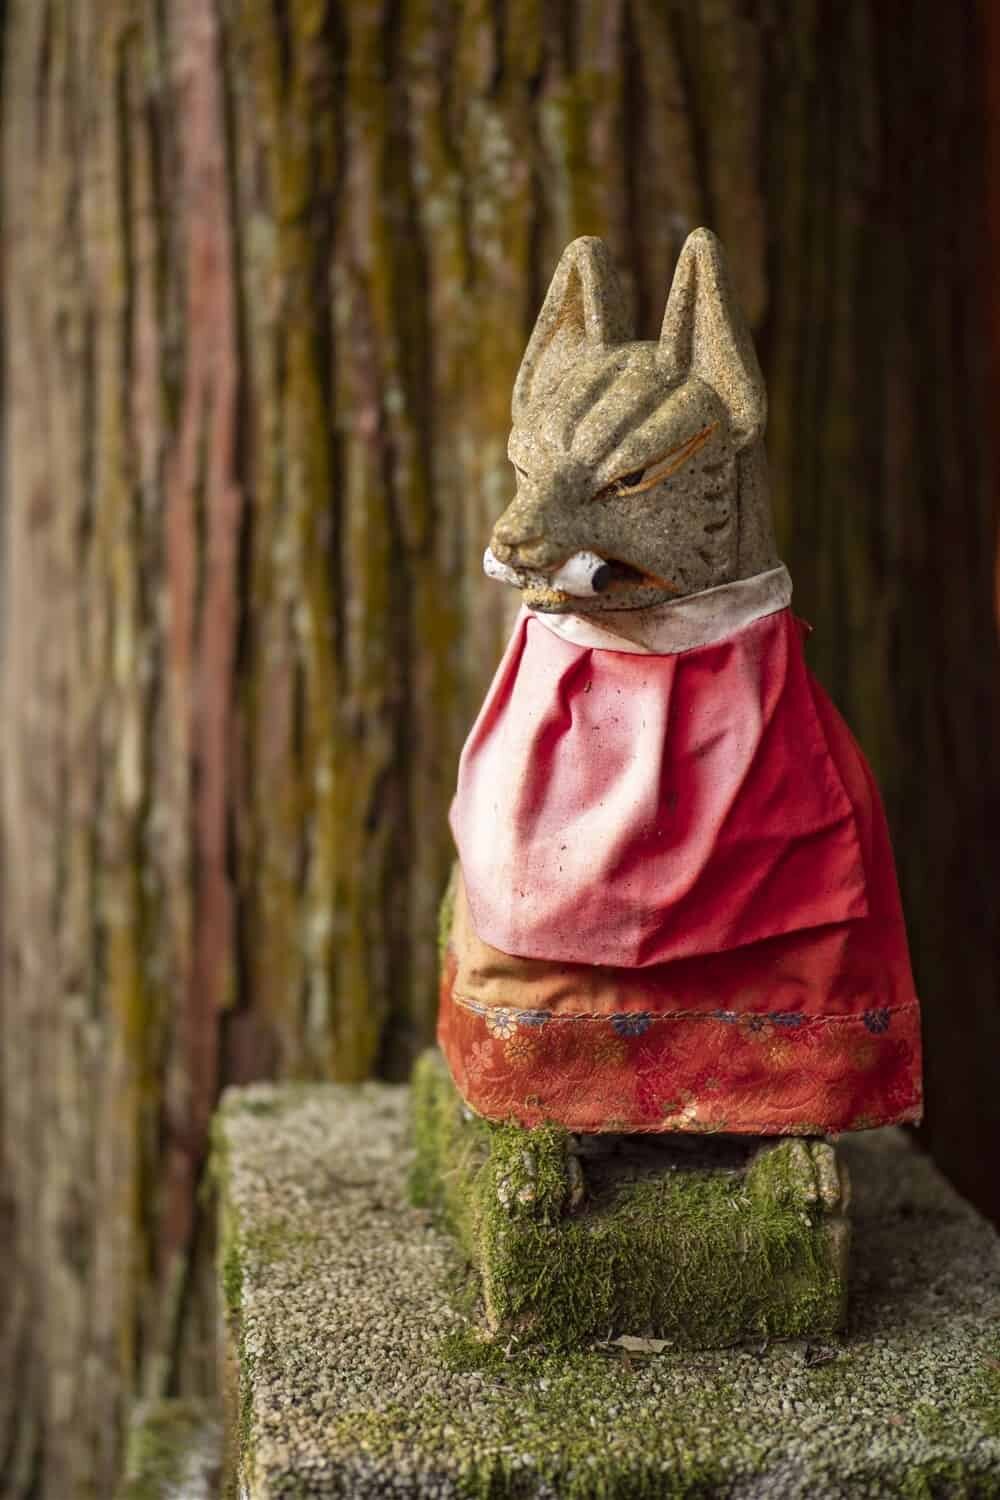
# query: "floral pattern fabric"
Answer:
x=751 y=1073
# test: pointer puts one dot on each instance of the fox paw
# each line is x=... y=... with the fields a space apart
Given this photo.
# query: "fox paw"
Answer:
x=801 y=1171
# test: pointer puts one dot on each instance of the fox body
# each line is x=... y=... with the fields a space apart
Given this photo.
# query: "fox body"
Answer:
x=676 y=906
x=648 y=455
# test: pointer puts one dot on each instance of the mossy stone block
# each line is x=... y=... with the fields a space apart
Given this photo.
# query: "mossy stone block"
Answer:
x=699 y=1241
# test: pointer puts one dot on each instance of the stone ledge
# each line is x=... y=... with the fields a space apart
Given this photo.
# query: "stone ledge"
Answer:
x=358 y=1374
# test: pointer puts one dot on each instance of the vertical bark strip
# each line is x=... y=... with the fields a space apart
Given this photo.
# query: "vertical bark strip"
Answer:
x=202 y=517
x=269 y=269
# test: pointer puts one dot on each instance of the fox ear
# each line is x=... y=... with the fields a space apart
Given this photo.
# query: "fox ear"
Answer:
x=705 y=334
x=583 y=308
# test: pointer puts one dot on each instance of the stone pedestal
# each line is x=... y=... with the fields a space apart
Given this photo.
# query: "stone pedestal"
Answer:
x=702 y=1241
x=359 y=1368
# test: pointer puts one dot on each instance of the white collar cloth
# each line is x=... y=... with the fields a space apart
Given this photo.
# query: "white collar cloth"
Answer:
x=679 y=624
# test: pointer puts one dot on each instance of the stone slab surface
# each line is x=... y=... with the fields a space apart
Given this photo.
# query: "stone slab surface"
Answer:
x=350 y=1323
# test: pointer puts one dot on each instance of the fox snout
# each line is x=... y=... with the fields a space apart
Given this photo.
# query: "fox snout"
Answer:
x=522 y=539
x=541 y=526
x=523 y=551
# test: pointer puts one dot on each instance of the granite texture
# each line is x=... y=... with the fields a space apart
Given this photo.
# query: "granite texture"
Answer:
x=352 y=1327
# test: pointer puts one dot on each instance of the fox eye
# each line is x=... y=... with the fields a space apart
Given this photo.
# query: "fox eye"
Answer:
x=638 y=481
x=625 y=484
x=521 y=473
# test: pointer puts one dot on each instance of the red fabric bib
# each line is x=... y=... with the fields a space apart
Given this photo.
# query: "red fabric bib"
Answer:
x=627 y=810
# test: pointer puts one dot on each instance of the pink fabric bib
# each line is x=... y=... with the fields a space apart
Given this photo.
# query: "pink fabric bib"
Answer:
x=629 y=809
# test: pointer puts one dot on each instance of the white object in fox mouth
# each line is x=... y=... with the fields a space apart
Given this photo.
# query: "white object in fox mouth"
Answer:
x=582 y=575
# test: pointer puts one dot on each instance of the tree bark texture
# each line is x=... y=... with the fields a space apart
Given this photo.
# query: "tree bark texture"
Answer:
x=269 y=271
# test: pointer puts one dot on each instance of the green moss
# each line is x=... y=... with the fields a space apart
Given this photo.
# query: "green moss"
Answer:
x=231 y=1276
x=228 y=1261
x=163 y=1443
x=446 y=913
x=945 y=1479
x=984 y=1394
x=245 y=1407
x=931 y=1421
x=704 y=1258
x=272 y=1240
x=555 y=1439
x=440 y=1135
x=685 y=1257
x=261 y=1106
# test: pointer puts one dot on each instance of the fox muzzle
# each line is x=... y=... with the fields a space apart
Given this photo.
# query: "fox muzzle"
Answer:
x=583 y=575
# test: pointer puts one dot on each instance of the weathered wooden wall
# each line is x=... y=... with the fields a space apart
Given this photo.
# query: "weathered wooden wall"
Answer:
x=269 y=270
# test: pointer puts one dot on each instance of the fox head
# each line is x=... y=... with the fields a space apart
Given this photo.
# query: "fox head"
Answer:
x=646 y=459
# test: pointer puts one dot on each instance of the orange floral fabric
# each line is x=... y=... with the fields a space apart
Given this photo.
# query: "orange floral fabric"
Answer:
x=687 y=1046
x=752 y=1072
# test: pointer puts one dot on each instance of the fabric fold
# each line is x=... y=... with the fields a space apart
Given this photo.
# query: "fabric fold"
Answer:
x=629 y=809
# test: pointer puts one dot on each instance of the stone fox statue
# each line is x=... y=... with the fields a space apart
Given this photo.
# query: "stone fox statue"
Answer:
x=676 y=907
